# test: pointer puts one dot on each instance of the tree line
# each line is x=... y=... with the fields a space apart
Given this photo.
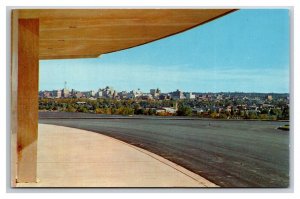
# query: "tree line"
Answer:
x=142 y=107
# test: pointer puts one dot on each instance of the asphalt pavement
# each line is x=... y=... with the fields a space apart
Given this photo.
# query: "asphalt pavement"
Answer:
x=228 y=153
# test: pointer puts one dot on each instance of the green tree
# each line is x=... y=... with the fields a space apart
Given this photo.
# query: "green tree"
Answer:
x=286 y=113
x=70 y=108
x=184 y=111
x=252 y=115
x=151 y=112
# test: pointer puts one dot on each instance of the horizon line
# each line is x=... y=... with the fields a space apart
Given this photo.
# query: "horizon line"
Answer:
x=258 y=92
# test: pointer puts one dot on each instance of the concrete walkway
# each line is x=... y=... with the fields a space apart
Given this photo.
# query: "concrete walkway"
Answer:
x=69 y=157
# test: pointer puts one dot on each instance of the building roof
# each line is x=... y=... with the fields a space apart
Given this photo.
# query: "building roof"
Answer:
x=74 y=33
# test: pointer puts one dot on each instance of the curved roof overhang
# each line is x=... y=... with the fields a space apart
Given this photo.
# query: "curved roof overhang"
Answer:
x=87 y=33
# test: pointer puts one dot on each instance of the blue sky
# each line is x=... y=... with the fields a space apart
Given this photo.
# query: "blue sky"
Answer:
x=246 y=51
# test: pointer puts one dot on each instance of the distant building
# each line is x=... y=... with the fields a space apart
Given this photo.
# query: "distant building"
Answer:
x=45 y=94
x=155 y=93
x=122 y=95
x=56 y=93
x=89 y=94
x=190 y=96
x=80 y=103
x=169 y=110
x=115 y=94
x=99 y=94
x=164 y=96
x=107 y=92
x=73 y=91
x=65 y=93
x=146 y=97
x=78 y=95
x=134 y=94
x=269 y=97
x=219 y=97
x=177 y=95
x=165 y=110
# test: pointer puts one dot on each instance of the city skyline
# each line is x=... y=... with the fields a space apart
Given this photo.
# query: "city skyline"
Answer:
x=235 y=53
x=148 y=91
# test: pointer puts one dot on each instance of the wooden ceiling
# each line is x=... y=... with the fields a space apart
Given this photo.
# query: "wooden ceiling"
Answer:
x=76 y=33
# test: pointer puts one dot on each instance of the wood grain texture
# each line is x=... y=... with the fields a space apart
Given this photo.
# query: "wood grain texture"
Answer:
x=27 y=99
x=14 y=93
x=77 y=33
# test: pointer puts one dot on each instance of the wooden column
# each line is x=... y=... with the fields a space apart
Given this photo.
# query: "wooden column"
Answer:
x=27 y=99
x=14 y=94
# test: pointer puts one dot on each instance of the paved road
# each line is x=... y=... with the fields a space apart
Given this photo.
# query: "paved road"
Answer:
x=228 y=153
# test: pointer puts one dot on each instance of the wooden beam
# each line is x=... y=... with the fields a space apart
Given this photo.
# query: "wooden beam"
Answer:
x=27 y=99
x=14 y=93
